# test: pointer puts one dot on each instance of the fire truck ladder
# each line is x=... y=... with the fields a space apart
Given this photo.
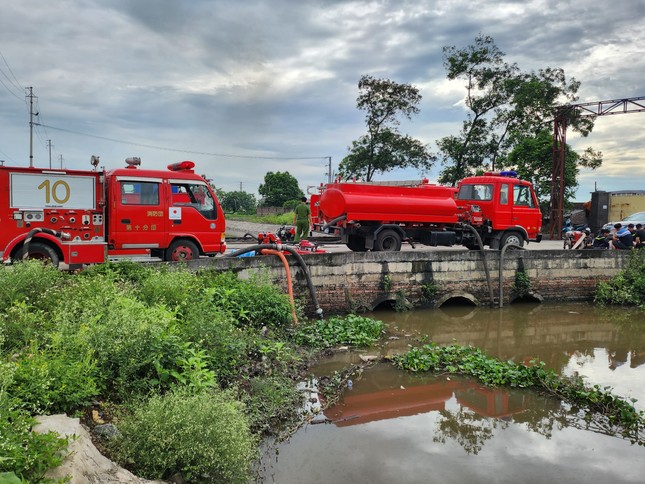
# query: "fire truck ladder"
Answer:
x=594 y=109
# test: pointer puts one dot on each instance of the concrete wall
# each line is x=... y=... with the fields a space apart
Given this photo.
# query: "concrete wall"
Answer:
x=351 y=281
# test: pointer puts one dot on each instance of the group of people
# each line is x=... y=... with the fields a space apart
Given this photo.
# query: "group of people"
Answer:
x=621 y=238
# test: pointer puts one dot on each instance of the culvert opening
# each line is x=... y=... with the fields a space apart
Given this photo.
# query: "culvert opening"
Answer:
x=387 y=305
x=458 y=301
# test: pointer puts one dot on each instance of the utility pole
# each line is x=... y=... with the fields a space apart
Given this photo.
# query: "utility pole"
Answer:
x=60 y=157
x=49 y=145
x=30 y=95
x=329 y=173
x=241 y=186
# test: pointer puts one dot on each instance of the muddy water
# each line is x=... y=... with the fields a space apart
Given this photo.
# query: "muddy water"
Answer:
x=392 y=426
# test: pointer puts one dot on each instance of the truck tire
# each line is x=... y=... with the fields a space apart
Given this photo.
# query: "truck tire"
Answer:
x=513 y=238
x=356 y=243
x=40 y=251
x=388 y=240
x=182 y=250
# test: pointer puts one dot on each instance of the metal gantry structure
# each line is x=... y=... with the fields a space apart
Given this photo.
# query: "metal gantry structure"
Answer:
x=588 y=109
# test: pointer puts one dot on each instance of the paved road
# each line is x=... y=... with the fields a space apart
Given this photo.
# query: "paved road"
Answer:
x=335 y=247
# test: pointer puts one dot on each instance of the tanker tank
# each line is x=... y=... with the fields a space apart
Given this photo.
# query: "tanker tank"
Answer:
x=367 y=202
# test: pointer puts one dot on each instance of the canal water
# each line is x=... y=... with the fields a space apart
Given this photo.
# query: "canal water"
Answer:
x=393 y=426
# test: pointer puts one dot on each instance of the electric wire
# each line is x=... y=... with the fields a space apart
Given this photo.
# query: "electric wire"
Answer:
x=17 y=84
x=177 y=150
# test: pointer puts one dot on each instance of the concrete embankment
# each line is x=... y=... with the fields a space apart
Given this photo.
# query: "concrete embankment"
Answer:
x=350 y=281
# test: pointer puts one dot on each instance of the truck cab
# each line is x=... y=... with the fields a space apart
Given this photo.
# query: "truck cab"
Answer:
x=509 y=207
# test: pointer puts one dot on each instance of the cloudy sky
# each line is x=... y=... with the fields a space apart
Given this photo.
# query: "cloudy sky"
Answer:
x=245 y=87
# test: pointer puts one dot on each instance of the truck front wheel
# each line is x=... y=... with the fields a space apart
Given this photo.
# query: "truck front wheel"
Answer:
x=388 y=240
x=40 y=251
x=182 y=250
x=356 y=243
x=511 y=238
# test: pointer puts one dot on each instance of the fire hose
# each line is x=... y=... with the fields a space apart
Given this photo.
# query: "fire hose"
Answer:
x=287 y=270
x=32 y=232
x=301 y=262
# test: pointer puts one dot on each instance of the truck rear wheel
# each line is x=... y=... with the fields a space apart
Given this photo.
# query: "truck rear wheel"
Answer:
x=40 y=251
x=182 y=250
x=511 y=238
x=388 y=240
x=356 y=243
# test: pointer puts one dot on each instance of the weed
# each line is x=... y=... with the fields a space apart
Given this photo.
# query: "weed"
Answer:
x=522 y=286
x=203 y=436
x=351 y=329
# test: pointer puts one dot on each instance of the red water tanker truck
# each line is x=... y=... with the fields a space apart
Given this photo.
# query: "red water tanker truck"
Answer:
x=498 y=207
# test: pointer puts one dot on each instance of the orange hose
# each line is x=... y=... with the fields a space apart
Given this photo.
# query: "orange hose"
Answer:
x=289 y=283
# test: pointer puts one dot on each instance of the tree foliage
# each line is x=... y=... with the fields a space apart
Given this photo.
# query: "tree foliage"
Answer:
x=279 y=187
x=384 y=148
x=532 y=158
x=238 y=201
x=505 y=107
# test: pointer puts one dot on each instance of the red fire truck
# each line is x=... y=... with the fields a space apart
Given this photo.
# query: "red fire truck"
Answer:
x=83 y=217
x=500 y=208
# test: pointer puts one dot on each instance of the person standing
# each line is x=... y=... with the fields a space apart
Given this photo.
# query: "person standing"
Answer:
x=302 y=219
x=639 y=236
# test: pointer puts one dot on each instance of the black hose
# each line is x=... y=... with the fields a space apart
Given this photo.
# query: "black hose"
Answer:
x=301 y=262
x=333 y=222
x=483 y=252
x=32 y=232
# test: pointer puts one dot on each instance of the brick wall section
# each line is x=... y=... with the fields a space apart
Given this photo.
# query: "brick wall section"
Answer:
x=351 y=281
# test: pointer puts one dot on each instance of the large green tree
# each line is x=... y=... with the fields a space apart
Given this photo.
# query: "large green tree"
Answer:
x=238 y=201
x=504 y=106
x=384 y=148
x=279 y=187
x=533 y=160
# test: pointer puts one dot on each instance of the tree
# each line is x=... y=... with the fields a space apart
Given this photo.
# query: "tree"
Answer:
x=238 y=201
x=383 y=148
x=505 y=107
x=278 y=188
x=532 y=158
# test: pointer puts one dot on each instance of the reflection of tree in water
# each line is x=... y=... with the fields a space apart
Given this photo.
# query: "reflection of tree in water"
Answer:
x=542 y=415
x=467 y=428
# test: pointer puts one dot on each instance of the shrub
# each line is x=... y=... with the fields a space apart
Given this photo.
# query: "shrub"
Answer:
x=204 y=436
x=252 y=302
x=26 y=454
x=351 y=329
x=30 y=281
x=54 y=382
x=628 y=287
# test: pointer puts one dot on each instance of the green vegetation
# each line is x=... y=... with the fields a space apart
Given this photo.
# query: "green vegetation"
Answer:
x=522 y=284
x=628 y=287
x=279 y=187
x=473 y=362
x=352 y=329
x=194 y=367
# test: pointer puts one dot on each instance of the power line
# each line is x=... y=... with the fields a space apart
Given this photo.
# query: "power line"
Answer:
x=177 y=150
x=17 y=85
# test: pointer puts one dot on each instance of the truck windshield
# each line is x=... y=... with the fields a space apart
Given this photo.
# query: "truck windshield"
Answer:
x=522 y=196
x=475 y=192
x=196 y=196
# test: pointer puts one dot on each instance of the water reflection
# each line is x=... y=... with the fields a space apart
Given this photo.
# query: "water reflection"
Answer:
x=396 y=426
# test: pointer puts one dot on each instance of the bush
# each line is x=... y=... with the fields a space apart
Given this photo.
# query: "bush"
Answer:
x=205 y=437
x=252 y=302
x=24 y=453
x=30 y=281
x=628 y=287
x=22 y=325
x=54 y=382
x=271 y=401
